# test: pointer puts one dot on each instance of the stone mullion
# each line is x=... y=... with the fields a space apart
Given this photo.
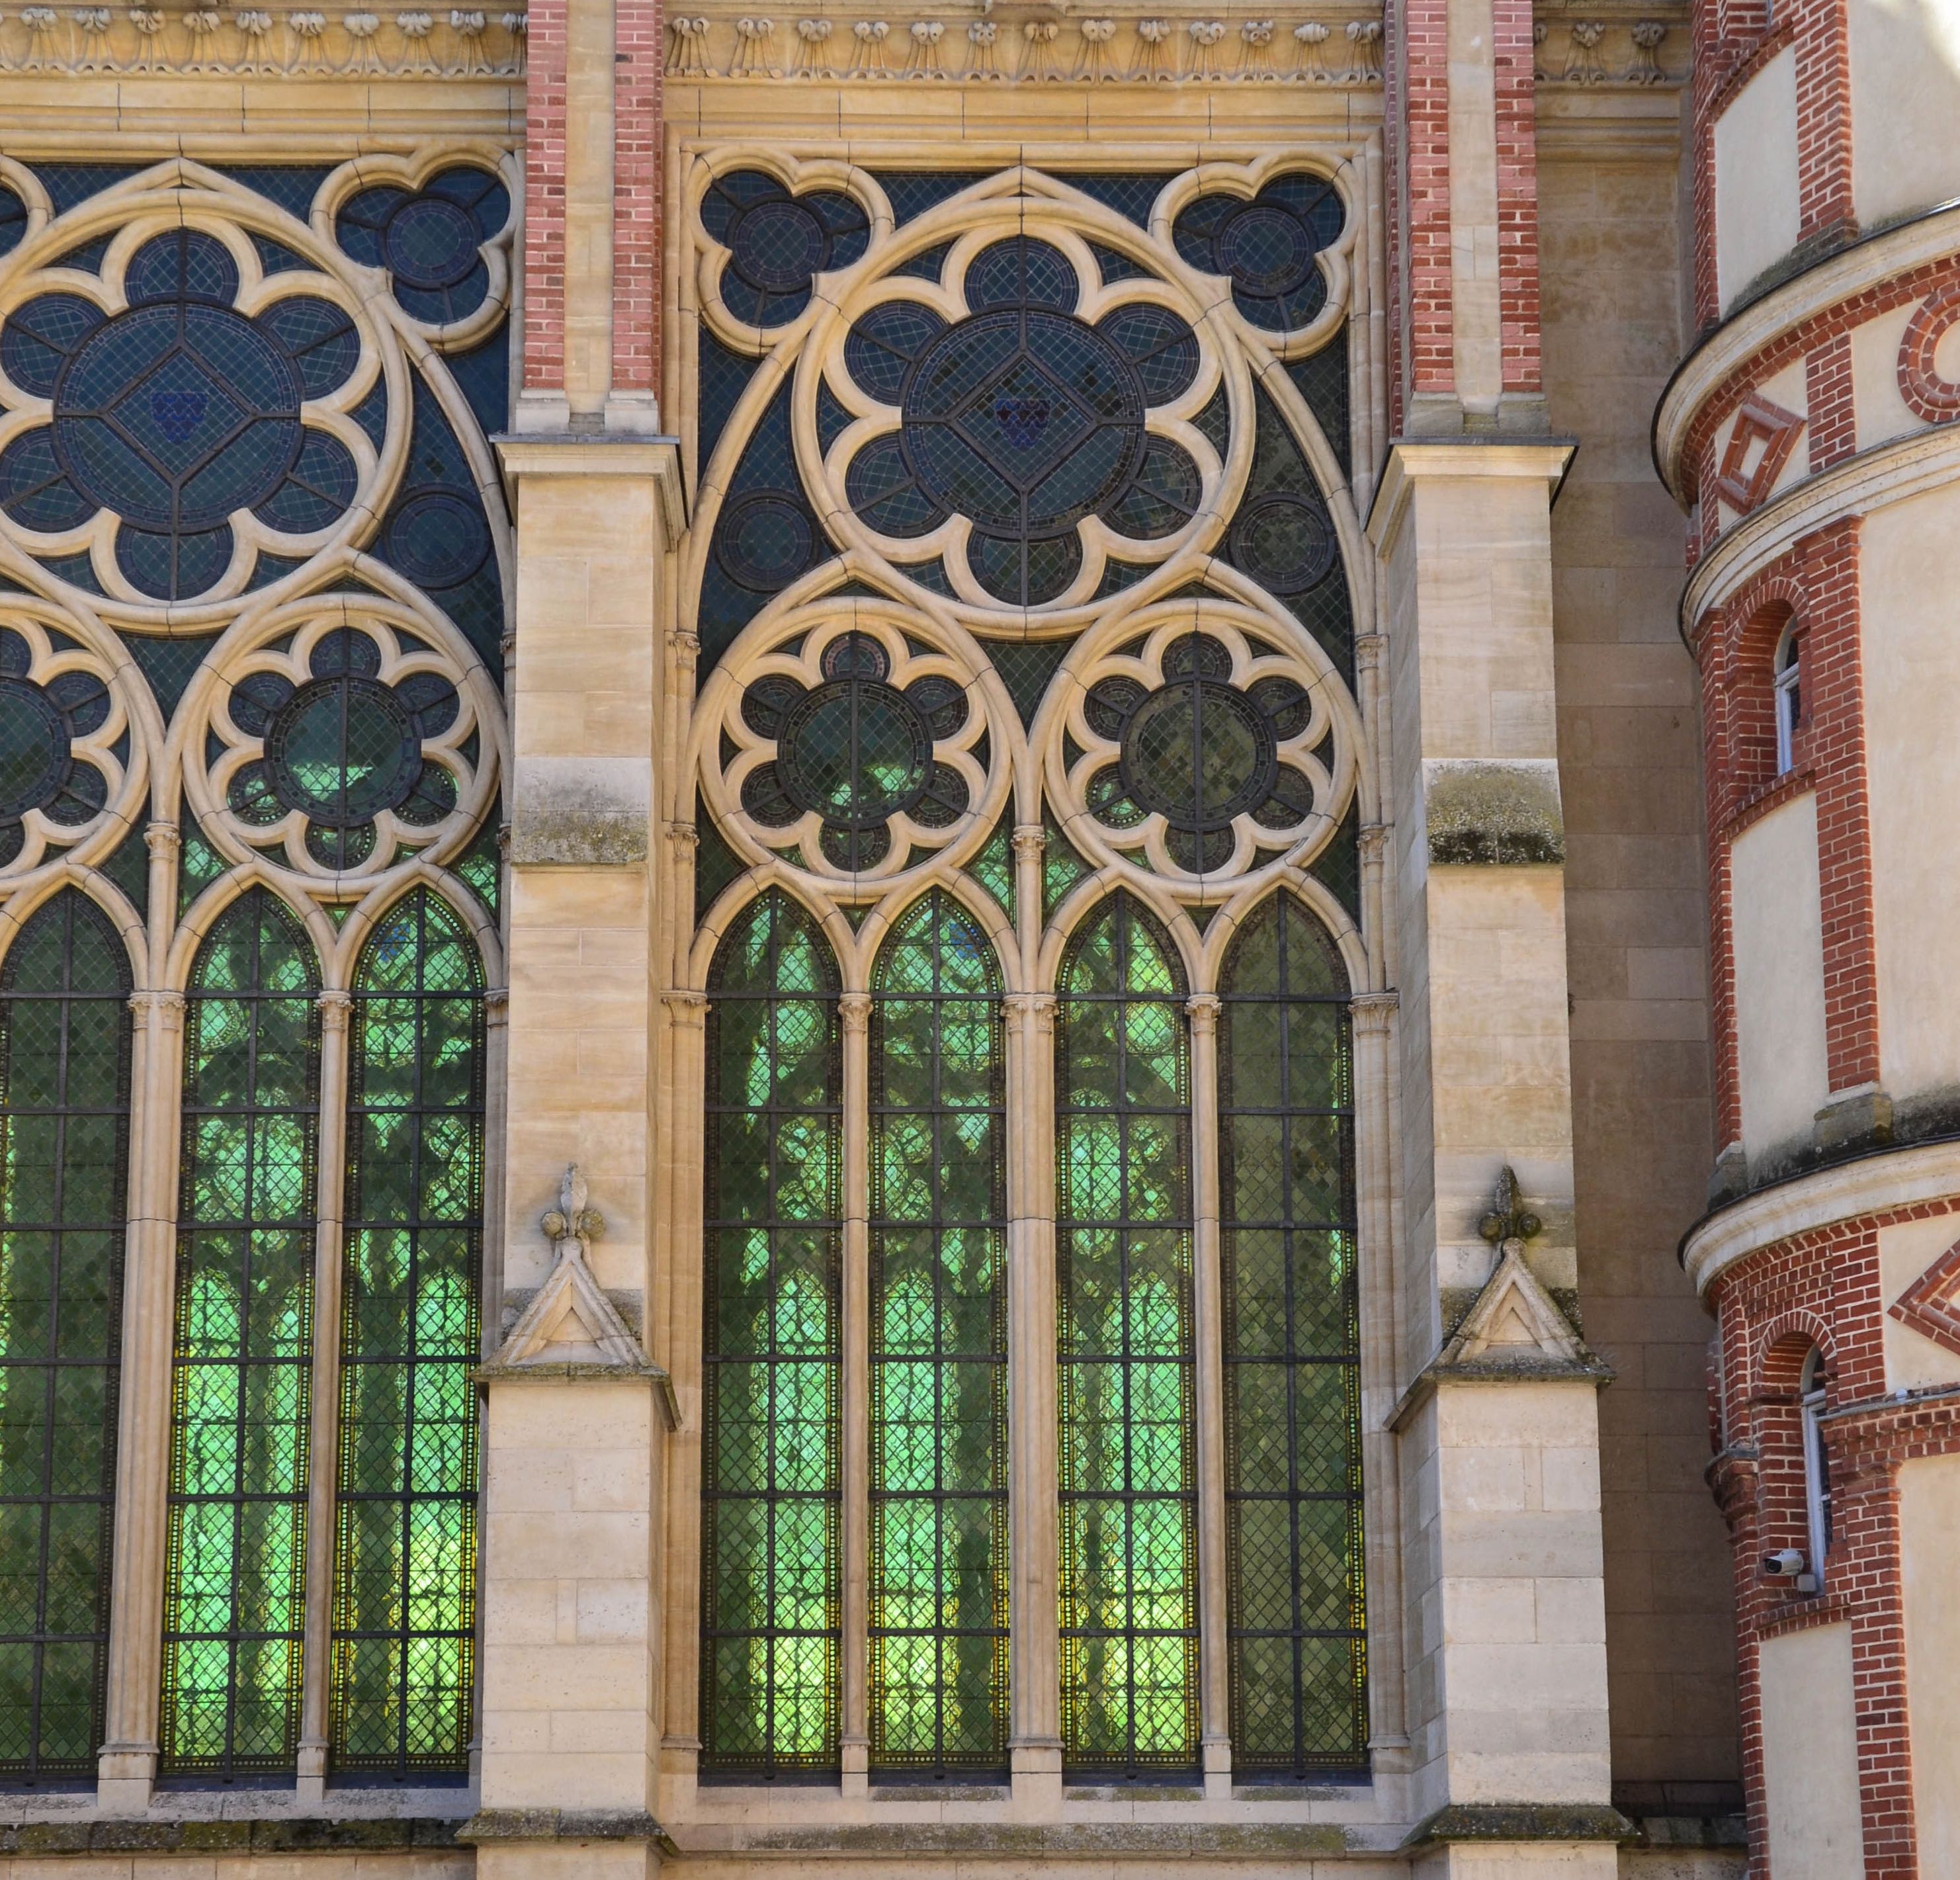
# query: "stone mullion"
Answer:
x=1208 y=1312
x=1034 y=1641
x=855 y=1389
x=687 y=1020
x=127 y=1765
x=1372 y=1015
x=336 y=1008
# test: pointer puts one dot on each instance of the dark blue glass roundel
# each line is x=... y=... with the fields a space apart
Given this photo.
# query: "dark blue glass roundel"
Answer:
x=778 y=243
x=33 y=749
x=430 y=244
x=1267 y=246
x=175 y=415
x=438 y=540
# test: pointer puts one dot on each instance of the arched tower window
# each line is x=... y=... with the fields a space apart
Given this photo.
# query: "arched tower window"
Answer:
x=64 y=1033
x=1293 y=1398
x=1788 y=680
x=405 y=1578
x=769 y=1700
x=938 y=1348
x=242 y=1375
x=1123 y=1221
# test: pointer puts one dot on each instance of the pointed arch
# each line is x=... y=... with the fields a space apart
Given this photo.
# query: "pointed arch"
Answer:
x=1295 y=1604
x=938 y=1346
x=406 y=1470
x=65 y=1084
x=1128 y=1353
x=771 y=1464
x=234 y=1618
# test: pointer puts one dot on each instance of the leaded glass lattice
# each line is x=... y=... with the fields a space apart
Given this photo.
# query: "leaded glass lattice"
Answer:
x=1296 y=1610
x=405 y=1559
x=241 y=1381
x=64 y=1157
x=938 y=1348
x=772 y=1350
x=1129 y=1621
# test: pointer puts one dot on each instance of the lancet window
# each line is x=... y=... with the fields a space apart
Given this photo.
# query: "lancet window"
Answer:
x=251 y=747
x=1025 y=702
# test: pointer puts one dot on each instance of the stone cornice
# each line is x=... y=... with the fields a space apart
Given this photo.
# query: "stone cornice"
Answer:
x=300 y=43
x=1411 y=460
x=1876 y=1183
x=1019 y=42
x=1887 y=472
x=1832 y=278
x=595 y=454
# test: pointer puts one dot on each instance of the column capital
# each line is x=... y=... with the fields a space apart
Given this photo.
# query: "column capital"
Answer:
x=1202 y=1008
x=166 y=1007
x=1037 y=1008
x=685 y=1007
x=686 y=837
x=686 y=644
x=1029 y=838
x=854 y=1008
x=334 y=1006
x=496 y=1005
x=162 y=838
x=1371 y=1012
x=1415 y=460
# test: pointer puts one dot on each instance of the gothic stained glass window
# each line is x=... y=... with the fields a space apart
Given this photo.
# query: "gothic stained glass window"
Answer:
x=405 y=1567
x=241 y=1377
x=65 y=1032
x=1129 y=1637
x=1292 y=1486
x=770 y=1468
x=938 y=1348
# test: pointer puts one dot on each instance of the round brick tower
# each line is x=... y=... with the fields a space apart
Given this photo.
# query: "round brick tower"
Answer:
x=1808 y=434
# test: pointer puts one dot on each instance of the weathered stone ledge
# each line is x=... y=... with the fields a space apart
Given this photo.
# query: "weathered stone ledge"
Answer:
x=292 y=1835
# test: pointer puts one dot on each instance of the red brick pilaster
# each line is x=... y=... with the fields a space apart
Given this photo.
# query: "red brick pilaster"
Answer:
x=1425 y=66
x=1823 y=38
x=544 y=197
x=636 y=195
x=1517 y=197
x=1834 y=426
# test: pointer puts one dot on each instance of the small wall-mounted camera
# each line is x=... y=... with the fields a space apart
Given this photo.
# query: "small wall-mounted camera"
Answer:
x=1788 y=1563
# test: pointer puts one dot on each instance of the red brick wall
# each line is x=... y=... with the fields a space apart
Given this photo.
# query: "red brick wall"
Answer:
x=544 y=198
x=636 y=195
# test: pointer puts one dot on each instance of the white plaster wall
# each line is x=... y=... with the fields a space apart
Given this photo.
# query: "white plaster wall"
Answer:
x=1909 y=578
x=1905 y=100
x=1881 y=412
x=1913 y=1360
x=1779 y=939
x=1929 y=1544
x=1755 y=177
x=1810 y=1756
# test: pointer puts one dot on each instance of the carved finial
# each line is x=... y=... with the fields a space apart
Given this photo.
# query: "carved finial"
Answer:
x=1510 y=1220
x=571 y=1220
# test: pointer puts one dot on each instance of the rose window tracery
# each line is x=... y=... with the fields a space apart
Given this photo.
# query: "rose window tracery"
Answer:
x=177 y=413
x=1022 y=420
x=853 y=749
x=1199 y=749
x=350 y=743
x=778 y=243
x=59 y=724
x=433 y=240
x=1267 y=247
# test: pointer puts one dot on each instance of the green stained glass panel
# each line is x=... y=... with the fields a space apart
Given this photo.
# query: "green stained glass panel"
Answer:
x=938 y=1349
x=993 y=867
x=242 y=1370
x=405 y=1548
x=1129 y=1571
x=1296 y=1604
x=772 y=1348
x=64 y=1037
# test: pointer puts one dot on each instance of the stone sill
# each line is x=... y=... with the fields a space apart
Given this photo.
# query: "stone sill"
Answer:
x=295 y=1834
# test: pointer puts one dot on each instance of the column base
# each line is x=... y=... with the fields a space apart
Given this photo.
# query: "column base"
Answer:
x=1034 y=1769
x=125 y=1775
x=854 y=1768
x=1573 y=1840
x=1218 y=1769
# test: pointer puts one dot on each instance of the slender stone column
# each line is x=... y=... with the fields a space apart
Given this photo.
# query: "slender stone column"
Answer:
x=336 y=1008
x=854 y=1384
x=1208 y=1301
x=128 y=1764
x=1035 y=1740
